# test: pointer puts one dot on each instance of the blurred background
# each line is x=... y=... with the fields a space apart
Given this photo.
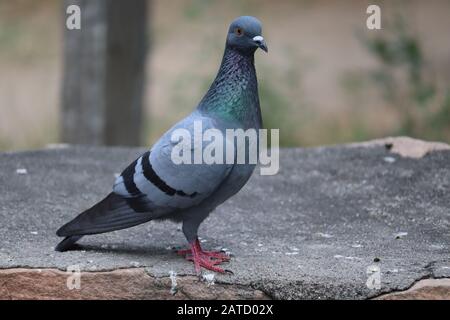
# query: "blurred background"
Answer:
x=327 y=78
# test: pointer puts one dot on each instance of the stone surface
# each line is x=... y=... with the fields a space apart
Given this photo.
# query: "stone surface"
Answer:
x=315 y=230
x=428 y=289
x=406 y=146
x=118 y=284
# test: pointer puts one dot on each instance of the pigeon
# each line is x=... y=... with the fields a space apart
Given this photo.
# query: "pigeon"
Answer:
x=154 y=187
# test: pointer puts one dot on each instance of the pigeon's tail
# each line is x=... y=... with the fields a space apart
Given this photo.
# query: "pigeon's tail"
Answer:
x=67 y=243
x=112 y=213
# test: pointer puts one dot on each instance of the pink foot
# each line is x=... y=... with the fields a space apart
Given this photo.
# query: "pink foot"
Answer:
x=205 y=259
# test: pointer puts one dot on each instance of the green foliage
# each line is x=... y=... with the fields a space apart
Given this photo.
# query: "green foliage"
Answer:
x=402 y=79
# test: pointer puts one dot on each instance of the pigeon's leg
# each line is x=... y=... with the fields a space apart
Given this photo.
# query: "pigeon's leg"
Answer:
x=205 y=259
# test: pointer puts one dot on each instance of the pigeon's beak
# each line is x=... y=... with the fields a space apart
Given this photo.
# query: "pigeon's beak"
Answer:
x=259 y=41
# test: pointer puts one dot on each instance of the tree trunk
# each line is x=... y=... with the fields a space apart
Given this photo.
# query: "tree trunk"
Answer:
x=104 y=73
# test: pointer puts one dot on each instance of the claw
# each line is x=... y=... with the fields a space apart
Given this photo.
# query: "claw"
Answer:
x=206 y=263
x=217 y=255
x=205 y=259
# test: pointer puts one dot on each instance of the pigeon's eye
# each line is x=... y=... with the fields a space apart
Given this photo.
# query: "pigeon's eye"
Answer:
x=239 y=32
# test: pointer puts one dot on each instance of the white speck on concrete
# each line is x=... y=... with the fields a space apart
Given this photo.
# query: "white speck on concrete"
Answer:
x=389 y=159
x=135 y=264
x=291 y=253
x=324 y=235
x=352 y=258
x=21 y=171
x=338 y=256
x=400 y=235
x=226 y=251
x=209 y=278
x=34 y=232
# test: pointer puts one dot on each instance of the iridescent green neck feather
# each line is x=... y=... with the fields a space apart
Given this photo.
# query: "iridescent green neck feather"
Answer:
x=234 y=93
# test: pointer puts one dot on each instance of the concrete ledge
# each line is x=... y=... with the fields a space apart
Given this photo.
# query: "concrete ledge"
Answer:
x=316 y=230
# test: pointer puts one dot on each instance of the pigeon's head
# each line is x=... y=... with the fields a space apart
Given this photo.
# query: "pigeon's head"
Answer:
x=245 y=35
